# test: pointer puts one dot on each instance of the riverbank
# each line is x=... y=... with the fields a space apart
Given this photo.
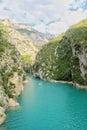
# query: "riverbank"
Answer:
x=2 y=115
x=67 y=82
x=11 y=101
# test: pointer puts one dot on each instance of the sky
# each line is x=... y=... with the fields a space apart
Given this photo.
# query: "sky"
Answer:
x=47 y=16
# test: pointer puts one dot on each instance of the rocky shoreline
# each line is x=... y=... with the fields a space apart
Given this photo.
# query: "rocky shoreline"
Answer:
x=2 y=115
x=11 y=103
x=74 y=84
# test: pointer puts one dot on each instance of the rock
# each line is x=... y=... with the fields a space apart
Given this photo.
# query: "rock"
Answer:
x=2 y=117
x=2 y=109
x=25 y=81
x=18 y=81
x=13 y=103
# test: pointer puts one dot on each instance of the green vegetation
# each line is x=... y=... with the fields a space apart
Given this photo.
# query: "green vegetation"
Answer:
x=55 y=63
x=9 y=63
x=65 y=57
x=58 y=38
x=26 y=59
x=1 y=104
x=76 y=72
x=24 y=77
x=9 y=90
x=1 y=115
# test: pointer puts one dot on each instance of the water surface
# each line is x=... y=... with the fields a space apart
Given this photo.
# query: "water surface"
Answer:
x=48 y=106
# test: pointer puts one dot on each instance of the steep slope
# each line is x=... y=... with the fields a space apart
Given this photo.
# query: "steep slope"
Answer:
x=27 y=40
x=33 y=35
x=25 y=47
x=30 y=34
x=65 y=59
x=11 y=74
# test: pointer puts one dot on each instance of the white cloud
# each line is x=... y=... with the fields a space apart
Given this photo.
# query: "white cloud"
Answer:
x=57 y=27
x=78 y=3
x=39 y=13
x=41 y=27
x=71 y=17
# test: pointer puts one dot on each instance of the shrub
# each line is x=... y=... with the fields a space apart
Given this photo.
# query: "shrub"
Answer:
x=1 y=103
x=20 y=71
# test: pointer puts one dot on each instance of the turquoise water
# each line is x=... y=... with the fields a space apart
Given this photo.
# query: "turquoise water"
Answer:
x=48 y=106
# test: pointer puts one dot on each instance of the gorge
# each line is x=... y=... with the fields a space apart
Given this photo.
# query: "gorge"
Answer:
x=64 y=58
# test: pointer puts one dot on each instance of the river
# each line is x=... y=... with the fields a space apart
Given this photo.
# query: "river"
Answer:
x=48 y=106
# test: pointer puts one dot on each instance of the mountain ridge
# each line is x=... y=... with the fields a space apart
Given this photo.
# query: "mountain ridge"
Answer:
x=25 y=44
x=40 y=38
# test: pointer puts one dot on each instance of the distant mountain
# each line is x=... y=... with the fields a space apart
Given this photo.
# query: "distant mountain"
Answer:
x=34 y=35
x=67 y=58
x=29 y=33
x=27 y=40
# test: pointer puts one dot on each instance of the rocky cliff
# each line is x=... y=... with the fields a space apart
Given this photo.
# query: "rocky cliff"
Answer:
x=65 y=58
x=11 y=74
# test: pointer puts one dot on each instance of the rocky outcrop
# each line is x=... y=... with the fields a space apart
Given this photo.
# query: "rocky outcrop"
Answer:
x=18 y=81
x=4 y=103
x=65 y=58
x=2 y=115
x=13 y=103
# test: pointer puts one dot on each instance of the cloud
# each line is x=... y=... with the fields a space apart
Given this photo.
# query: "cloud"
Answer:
x=53 y=16
x=41 y=27
x=76 y=4
x=72 y=17
x=57 y=27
